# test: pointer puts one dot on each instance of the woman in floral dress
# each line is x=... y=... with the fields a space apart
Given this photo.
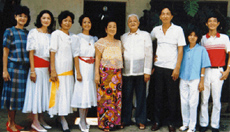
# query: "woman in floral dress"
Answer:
x=108 y=76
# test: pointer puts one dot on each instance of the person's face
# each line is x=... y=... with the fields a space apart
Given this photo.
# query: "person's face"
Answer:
x=192 y=38
x=133 y=23
x=166 y=16
x=86 y=24
x=111 y=28
x=45 y=20
x=66 y=23
x=212 y=23
x=21 y=19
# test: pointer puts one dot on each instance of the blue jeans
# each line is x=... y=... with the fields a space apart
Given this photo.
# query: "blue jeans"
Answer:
x=129 y=84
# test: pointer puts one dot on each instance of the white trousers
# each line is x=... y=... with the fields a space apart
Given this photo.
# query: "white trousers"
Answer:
x=213 y=85
x=189 y=96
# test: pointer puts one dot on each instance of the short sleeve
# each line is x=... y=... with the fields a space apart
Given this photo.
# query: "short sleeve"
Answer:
x=54 y=42
x=205 y=59
x=181 y=38
x=153 y=37
x=100 y=46
x=31 y=41
x=75 y=46
x=7 y=38
x=227 y=44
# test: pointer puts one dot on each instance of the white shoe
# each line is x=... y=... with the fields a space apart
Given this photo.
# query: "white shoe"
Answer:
x=83 y=130
x=183 y=128
x=88 y=126
x=191 y=130
x=39 y=130
x=46 y=126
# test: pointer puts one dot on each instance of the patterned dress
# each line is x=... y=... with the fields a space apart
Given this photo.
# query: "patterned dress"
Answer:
x=13 y=93
x=109 y=93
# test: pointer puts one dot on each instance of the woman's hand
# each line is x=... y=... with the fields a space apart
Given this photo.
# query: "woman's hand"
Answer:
x=97 y=78
x=53 y=76
x=6 y=76
x=33 y=76
x=79 y=77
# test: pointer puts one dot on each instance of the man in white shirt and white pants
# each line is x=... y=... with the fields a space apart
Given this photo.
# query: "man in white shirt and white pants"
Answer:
x=138 y=56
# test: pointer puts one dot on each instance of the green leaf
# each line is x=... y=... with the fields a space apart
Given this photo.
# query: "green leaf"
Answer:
x=191 y=7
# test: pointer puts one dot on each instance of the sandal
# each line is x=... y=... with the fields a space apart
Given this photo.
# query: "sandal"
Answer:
x=106 y=130
x=141 y=126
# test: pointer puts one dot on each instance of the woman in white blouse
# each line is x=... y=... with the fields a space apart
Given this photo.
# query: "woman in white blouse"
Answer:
x=61 y=64
x=85 y=95
x=37 y=88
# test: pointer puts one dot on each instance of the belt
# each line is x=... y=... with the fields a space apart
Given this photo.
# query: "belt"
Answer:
x=39 y=62
x=89 y=60
x=216 y=67
x=55 y=86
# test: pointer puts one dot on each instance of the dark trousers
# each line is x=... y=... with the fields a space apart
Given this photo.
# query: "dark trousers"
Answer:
x=129 y=84
x=165 y=83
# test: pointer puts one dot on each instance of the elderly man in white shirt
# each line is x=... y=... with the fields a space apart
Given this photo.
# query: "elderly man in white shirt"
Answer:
x=169 y=54
x=138 y=54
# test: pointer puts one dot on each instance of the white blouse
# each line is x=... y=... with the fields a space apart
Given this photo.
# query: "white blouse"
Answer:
x=39 y=42
x=60 y=43
x=83 y=45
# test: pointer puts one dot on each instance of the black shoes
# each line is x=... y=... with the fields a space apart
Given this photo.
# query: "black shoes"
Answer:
x=215 y=130
x=171 y=128
x=155 y=126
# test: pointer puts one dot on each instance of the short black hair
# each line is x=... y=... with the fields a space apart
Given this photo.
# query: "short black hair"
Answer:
x=38 y=23
x=82 y=17
x=23 y=10
x=64 y=15
x=212 y=15
x=194 y=29
x=108 y=20
x=169 y=7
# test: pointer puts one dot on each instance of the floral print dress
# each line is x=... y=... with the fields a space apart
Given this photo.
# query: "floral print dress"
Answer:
x=109 y=93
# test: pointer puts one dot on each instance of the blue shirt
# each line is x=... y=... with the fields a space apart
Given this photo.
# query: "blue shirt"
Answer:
x=193 y=60
x=15 y=40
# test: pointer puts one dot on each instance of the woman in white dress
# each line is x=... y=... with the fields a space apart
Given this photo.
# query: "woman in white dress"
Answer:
x=85 y=95
x=61 y=62
x=37 y=87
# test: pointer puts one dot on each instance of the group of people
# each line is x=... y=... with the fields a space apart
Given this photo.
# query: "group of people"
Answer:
x=59 y=71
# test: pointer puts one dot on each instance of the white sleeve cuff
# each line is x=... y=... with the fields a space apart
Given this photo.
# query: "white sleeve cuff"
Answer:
x=147 y=71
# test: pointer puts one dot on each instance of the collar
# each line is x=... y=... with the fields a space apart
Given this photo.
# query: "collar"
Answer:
x=172 y=25
x=137 y=32
x=188 y=47
x=217 y=35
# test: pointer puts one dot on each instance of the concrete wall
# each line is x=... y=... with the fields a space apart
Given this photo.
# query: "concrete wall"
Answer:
x=55 y=6
x=77 y=7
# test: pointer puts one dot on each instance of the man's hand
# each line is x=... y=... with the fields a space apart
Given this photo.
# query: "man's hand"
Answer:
x=152 y=71
x=224 y=75
x=146 y=77
x=175 y=74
